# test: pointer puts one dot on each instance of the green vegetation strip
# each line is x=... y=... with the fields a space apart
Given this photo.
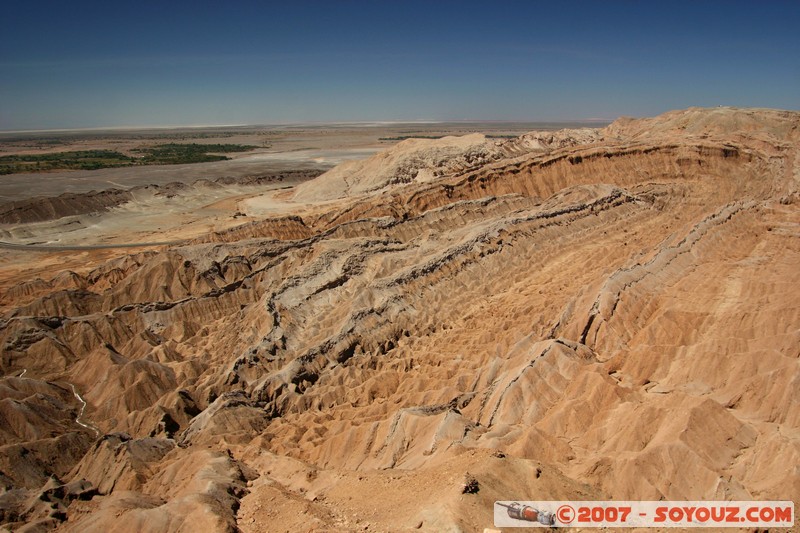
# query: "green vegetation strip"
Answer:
x=164 y=154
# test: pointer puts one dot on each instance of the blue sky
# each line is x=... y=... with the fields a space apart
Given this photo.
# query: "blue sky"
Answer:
x=93 y=64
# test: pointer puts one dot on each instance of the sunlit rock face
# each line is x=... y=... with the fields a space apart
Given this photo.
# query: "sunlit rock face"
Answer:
x=583 y=314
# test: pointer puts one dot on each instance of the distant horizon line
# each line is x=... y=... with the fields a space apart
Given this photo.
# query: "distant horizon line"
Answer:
x=304 y=123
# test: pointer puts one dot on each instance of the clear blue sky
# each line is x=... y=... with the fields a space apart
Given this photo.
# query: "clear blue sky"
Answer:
x=74 y=64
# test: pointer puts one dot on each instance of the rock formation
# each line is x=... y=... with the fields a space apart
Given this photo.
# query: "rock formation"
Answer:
x=411 y=160
x=43 y=208
x=588 y=314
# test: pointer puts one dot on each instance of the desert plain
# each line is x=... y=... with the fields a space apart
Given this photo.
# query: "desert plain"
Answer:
x=387 y=327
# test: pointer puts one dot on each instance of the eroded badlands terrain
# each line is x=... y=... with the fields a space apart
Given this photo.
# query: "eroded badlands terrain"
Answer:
x=583 y=314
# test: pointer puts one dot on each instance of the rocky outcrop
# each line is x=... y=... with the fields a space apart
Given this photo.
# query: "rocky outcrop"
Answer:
x=411 y=160
x=610 y=314
x=44 y=208
x=49 y=208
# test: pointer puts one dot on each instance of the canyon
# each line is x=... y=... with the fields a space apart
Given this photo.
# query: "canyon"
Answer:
x=582 y=314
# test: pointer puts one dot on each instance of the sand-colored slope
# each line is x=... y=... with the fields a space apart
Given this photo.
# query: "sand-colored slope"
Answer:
x=408 y=161
x=606 y=314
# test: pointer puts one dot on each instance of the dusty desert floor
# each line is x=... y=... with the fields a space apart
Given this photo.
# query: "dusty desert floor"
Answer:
x=339 y=333
x=279 y=148
x=172 y=203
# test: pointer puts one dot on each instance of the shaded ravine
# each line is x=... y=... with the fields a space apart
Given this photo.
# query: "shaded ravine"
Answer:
x=80 y=414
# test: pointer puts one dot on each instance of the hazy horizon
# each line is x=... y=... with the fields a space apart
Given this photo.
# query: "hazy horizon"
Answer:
x=369 y=123
x=151 y=65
